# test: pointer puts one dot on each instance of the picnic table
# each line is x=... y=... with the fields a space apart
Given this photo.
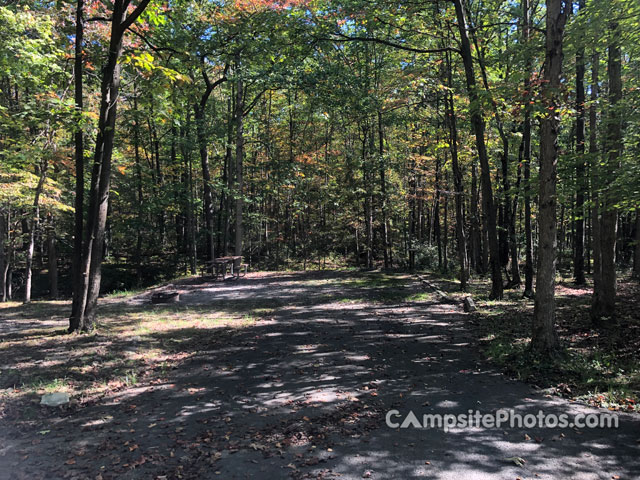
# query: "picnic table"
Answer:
x=219 y=266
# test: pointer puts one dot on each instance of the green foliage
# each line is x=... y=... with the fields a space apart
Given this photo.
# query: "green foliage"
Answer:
x=344 y=113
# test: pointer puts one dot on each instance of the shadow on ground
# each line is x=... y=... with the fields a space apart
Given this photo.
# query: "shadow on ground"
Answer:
x=285 y=376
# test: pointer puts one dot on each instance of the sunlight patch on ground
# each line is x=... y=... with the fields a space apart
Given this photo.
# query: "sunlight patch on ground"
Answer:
x=127 y=348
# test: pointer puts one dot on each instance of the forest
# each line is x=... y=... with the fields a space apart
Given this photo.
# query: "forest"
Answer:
x=486 y=138
x=493 y=144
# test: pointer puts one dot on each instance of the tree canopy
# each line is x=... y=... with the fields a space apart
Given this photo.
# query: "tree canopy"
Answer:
x=446 y=135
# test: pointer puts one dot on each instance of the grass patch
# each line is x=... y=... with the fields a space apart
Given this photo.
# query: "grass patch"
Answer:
x=42 y=385
x=349 y=300
x=596 y=366
x=420 y=297
x=129 y=378
x=376 y=280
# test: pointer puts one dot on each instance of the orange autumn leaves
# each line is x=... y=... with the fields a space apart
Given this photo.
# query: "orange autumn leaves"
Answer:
x=261 y=5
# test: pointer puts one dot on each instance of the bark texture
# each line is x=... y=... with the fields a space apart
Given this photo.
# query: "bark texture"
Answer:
x=478 y=124
x=87 y=286
x=544 y=337
x=604 y=301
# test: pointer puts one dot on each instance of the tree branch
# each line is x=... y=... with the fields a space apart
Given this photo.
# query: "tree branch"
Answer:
x=152 y=46
x=346 y=38
x=211 y=86
x=98 y=19
x=134 y=15
x=254 y=102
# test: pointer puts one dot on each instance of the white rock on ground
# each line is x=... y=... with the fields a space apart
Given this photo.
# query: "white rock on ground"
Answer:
x=55 y=399
x=469 y=305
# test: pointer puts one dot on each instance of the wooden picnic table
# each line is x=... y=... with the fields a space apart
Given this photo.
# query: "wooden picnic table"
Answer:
x=219 y=266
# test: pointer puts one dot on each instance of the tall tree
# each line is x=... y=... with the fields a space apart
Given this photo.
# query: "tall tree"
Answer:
x=636 y=248
x=200 y=109
x=87 y=288
x=4 y=261
x=239 y=117
x=544 y=337
x=595 y=177
x=34 y=225
x=457 y=178
x=578 y=261
x=79 y=153
x=478 y=124
x=604 y=300
x=526 y=152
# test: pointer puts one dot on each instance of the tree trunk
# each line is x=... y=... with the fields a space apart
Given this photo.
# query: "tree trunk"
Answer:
x=476 y=240
x=367 y=203
x=578 y=259
x=239 y=161
x=605 y=301
x=544 y=338
x=52 y=259
x=477 y=121
x=504 y=208
x=461 y=239
x=200 y=117
x=76 y=263
x=357 y=239
x=138 y=167
x=485 y=242
x=4 y=261
x=383 y=192
x=561 y=237
x=636 y=249
x=33 y=229
x=206 y=177
x=588 y=225
x=158 y=177
x=526 y=155
x=5 y=274
x=87 y=289
x=191 y=221
x=437 y=237
x=227 y=178
x=445 y=228
x=9 y=274
x=411 y=234
x=595 y=178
